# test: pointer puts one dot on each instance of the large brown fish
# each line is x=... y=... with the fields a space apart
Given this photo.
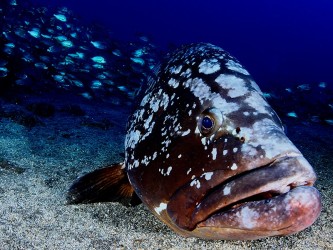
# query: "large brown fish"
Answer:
x=208 y=156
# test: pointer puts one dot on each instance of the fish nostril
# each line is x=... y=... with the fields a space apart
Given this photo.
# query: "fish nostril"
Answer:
x=238 y=130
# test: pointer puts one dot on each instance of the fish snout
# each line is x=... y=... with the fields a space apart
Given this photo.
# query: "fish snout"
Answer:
x=275 y=199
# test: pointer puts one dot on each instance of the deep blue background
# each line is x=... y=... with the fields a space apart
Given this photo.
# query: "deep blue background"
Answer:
x=279 y=42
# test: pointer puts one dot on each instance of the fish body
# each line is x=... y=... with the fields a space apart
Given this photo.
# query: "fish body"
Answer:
x=208 y=156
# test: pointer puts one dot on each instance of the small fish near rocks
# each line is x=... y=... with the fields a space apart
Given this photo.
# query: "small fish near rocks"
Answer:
x=208 y=156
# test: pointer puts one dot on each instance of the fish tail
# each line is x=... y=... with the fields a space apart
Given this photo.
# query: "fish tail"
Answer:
x=103 y=185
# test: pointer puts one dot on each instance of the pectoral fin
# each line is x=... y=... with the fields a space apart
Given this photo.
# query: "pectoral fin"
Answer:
x=103 y=185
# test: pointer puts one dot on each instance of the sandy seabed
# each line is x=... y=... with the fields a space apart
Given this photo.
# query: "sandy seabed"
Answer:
x=38 y=165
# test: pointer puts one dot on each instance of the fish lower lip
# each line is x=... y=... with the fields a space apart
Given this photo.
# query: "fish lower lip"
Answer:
x=282 y=215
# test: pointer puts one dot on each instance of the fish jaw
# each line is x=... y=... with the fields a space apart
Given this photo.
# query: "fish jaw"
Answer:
x=276 y=199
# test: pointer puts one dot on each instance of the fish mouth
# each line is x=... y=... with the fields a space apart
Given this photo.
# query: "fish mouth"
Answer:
x=274 y=199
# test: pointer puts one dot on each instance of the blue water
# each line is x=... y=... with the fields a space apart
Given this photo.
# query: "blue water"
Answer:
x=279 y=42
x=106 y=50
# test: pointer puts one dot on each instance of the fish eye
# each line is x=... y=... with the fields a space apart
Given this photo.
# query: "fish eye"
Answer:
x=207 y=123
x=210 y=121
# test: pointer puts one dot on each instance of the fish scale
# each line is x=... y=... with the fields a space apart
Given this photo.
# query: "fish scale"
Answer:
x=208 y=156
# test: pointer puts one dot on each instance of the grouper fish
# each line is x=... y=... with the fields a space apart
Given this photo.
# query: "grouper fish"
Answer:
x=208 y=156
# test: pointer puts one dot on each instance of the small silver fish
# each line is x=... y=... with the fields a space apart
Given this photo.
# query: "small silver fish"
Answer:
x=208 y=156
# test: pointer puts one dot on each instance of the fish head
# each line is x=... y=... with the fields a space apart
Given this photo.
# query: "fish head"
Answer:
x=208 y=155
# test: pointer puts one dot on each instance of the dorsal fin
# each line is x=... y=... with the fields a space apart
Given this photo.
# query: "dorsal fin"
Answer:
x=102 y=185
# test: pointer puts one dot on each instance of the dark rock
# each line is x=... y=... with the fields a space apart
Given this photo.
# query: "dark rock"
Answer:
x=67 y=135
x=8 y=166
x=73 y=109
x=104 y=124
x=19 y=115
x=51 y=182
x=42 y=109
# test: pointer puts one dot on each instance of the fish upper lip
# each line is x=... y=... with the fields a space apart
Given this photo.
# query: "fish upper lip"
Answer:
x=273 y=179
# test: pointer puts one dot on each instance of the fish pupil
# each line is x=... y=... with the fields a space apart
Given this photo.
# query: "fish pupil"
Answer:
x=207 y=122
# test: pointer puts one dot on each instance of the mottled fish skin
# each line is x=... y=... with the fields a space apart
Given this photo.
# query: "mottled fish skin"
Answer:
x=208 y=155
